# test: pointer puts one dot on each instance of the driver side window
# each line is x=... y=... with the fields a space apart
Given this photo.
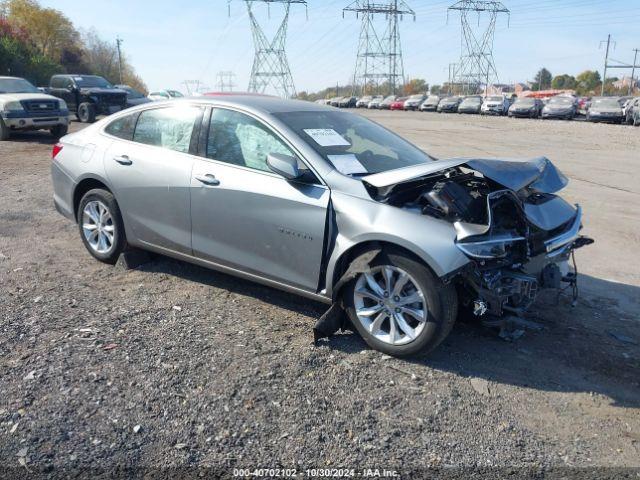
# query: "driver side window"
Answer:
x=241 y=140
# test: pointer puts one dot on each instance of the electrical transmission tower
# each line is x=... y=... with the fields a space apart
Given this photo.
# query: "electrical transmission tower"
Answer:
x=226 y=81
x=270 y=64
x=379 y=57
x=477 y=65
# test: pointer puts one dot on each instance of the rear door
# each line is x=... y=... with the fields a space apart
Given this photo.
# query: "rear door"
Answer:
x=246 y=217
x=151 y=174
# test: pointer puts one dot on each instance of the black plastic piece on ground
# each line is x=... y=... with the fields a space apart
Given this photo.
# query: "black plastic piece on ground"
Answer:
x=133 y=259
x=333 y=320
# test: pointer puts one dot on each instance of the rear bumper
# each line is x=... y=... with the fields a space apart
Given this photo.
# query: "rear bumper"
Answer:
x=63 y=188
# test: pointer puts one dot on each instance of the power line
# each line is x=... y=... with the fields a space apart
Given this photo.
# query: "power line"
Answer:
x=379 y=58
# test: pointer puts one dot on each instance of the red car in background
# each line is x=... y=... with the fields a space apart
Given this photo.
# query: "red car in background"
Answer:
x=398 y=104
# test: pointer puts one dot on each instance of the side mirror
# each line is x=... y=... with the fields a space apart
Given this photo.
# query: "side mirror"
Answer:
x=285 y=165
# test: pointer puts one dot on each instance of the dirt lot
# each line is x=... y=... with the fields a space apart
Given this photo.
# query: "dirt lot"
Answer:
x=171 y=365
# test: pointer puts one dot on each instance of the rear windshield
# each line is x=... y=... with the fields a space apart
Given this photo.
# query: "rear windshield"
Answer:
x=606 y=102
x=353 y=144
x=525 y=101
x=561 y=101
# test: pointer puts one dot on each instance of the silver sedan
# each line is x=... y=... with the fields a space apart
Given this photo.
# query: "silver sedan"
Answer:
x=324 y=204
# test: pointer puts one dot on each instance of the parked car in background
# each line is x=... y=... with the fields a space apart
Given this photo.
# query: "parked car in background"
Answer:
x=636 y=117
x=563 y=107
x=471 y=104
x=373 y=224
x=88 y=96
x=583 y=105
x=23 y=107
x=605 y=109
x=495 y=105
x=386 y=103
x=449 y=104
x=628 y=107
x=526 y=107
x=413 y=102
x=335 y=101
x=375 y=103
x=398 y=104
x=347 y=102
x=134 y=97
x=160 y=95
x=430 y=104
x=363 y=102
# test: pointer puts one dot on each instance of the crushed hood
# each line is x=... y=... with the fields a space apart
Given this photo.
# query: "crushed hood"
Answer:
x=538 y=174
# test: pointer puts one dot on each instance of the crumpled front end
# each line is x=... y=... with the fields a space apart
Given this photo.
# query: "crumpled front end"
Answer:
x=517 y=233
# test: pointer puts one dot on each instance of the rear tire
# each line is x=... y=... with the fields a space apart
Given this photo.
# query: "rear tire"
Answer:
x=59 y=131
x=5 y=133
x=100 y=225
x=86 y=112
x=437 y=302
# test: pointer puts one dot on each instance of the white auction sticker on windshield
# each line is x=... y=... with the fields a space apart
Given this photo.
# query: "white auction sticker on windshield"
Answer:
x=327 y=137
x=347 y=164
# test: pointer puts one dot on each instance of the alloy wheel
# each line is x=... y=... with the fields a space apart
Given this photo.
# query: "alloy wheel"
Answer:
x=390 y=305
x=98 y=227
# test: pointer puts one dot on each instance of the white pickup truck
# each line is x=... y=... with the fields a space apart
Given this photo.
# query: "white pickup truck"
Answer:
x=23 y=107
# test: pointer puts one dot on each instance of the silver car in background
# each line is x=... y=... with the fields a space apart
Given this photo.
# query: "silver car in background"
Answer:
x=321 y=203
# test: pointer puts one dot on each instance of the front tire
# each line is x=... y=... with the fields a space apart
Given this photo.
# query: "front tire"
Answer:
x=86 y=112
x=399 y=307
x=59 y=131
x=5 y=133
x=100 y=225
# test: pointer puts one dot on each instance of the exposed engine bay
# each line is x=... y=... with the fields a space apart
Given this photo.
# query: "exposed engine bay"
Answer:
x=517 y=233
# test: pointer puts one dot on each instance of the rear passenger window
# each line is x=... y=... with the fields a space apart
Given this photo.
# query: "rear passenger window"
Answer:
x=170 y=128
x=123 y=127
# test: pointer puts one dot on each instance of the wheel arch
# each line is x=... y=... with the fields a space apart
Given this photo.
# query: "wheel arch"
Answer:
x=344 y=260
x=85 y=185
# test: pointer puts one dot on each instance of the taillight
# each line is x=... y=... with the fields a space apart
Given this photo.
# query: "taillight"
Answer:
x=57 y=148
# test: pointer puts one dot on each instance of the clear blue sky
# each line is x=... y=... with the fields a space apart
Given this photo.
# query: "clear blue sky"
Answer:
x=170 y=41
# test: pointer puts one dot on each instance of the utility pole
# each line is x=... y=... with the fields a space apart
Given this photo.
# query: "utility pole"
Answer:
x=118 y=43
x=270 y=64
x=633 y=70
x=477 y=65
x=379 y=55
x=606 y=64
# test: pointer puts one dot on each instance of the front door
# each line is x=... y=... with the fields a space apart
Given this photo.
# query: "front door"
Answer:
x=151 y=176
x=244 y=216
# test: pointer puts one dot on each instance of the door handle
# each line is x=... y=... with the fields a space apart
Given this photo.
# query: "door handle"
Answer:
x=208 y=179
x=123 y=160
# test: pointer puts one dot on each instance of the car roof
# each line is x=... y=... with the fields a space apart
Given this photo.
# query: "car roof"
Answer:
x=263 y=104
x=11 y=78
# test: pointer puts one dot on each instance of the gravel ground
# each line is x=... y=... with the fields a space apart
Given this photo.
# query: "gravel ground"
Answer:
x=173 y=366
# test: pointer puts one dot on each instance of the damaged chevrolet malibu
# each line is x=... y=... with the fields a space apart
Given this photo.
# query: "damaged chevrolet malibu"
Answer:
x=325 y=204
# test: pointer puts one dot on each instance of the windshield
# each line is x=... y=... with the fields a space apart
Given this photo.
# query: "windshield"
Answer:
x=494 y=99
x=433 y=99
x=92 y=82
x=561 y=101
x=473 y=100
x=416 y=97
x=451 y=100
x=174 y=93
x=606 y=102
x=525 y=101
x=16 y=85
x=351 y=143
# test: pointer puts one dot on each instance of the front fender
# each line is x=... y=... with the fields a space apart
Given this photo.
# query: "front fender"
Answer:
x=360 y=221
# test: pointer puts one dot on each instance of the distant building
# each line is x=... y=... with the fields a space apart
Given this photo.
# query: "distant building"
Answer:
x=625 y=82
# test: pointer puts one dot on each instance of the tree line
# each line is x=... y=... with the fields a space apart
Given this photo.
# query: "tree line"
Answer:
x=38 y=42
